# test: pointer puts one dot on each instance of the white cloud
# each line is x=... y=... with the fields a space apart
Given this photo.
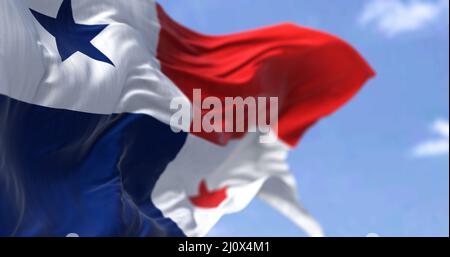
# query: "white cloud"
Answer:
x=392 y=17
x=438 y=146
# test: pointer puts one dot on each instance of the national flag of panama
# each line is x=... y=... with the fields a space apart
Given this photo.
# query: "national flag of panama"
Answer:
x=85 y=142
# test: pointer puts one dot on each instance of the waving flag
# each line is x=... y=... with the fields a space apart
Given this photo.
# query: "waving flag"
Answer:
x=86 y=143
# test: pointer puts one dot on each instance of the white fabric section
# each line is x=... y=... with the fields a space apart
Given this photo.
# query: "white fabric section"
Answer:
x=32 y=70
x=279 y=192
x=244 y=166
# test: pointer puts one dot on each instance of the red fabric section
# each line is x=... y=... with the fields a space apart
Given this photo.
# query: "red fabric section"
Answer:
x=312 y=73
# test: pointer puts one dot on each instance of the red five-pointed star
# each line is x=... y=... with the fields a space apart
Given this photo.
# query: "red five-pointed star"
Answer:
x=208 y=199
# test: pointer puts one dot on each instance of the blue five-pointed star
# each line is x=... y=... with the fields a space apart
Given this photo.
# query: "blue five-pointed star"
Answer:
x=70 y=36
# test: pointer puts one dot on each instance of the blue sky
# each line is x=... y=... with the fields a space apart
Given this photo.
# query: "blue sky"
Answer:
x=379 y=165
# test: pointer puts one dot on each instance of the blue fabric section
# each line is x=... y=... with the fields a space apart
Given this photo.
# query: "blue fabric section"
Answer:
x=70 y=172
